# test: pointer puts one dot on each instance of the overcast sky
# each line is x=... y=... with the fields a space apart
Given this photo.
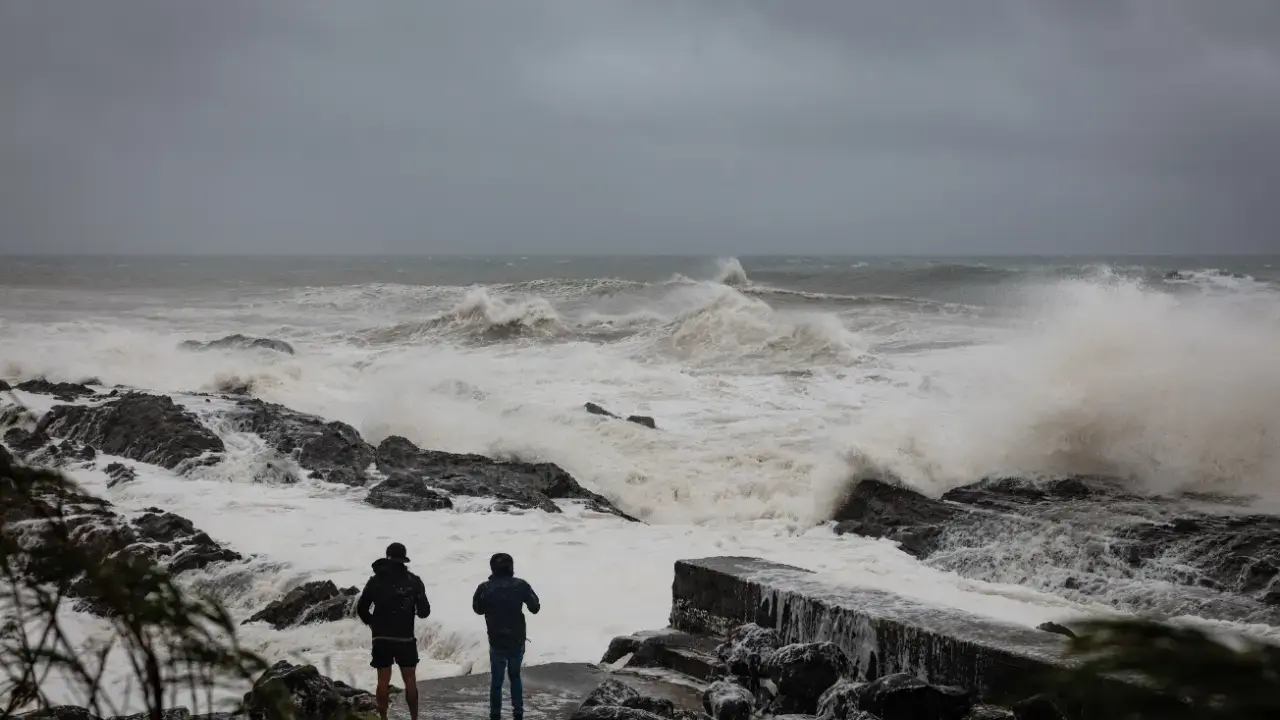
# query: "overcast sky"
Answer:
x=707 y=126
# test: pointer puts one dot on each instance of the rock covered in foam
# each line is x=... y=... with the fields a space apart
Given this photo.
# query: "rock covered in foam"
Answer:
x=147 y=428
x=610 y=692
x=803 y=672
x=878 y=509
x=989 y=712
x=240 y=342
x=724 y=700
x=906 y=697
x=523 y=485
x=119 y=474
x=409 y=493
x=840 y=701
x=307 y=694
x=612 y=712
x=331 y=451
x=644 y=420
x=25 y=442
x=661 y=707
x=314 y=602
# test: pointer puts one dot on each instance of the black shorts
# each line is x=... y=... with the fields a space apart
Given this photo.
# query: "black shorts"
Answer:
x=398 y=652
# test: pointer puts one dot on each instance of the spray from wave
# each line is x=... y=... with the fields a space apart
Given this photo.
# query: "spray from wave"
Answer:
x=1107 y=377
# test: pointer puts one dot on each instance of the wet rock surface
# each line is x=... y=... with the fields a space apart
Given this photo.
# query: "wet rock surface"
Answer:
x=311 y=695
x=330 y=451
x=522 y=485
x=239 y=342
x=64 y=391
x=95 y=529
x=314 y=602
x=644 y=420
x=409 y=493
x=725 y=700
x=1085 y=538
x=744 y=652
x=119 y=474
x=25 y=442
x=802 y=673
x=612 y=712
x=148 y=428
x=906 y=697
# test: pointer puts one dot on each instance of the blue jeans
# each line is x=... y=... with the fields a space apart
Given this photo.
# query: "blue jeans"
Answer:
x=508 y=662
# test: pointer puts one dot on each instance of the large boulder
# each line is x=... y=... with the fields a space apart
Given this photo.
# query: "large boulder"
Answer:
x=306 y=695
x=661 y=707
x=610 y=692
x=906 y=697
x=314 y=602
x=148 y=428
x=803 y=672
x=406 y=492
x=745 y=649
x=331 y=451
x=519 y=484
x=724 y=700
x=840 y=701
x=239 y=342
x=64 y=391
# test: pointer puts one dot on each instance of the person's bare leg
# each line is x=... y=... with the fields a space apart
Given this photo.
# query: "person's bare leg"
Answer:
x=384 y=691
x=410 y=677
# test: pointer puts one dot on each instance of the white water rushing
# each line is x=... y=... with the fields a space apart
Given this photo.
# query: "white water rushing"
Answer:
x=765 y=408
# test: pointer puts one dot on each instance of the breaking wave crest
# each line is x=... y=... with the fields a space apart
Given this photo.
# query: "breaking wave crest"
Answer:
x=1107 y=377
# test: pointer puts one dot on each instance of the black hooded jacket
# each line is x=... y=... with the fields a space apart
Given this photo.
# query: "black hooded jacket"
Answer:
x=500 y=599
x=396 y=595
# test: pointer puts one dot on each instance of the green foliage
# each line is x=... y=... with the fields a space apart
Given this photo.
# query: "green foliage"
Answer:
x=1140 y=669
x=50 y=558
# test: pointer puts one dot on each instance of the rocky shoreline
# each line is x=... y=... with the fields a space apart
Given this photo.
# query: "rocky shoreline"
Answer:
x=1083 y=537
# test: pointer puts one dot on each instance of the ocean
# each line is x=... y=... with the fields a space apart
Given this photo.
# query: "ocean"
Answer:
x=773 y=381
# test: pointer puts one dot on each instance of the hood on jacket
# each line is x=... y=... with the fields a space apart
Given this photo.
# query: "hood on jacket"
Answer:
x=386 y=567
x=502 y=565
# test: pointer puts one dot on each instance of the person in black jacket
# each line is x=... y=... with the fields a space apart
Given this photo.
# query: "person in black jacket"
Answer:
x=500 y=599
x=396 y=595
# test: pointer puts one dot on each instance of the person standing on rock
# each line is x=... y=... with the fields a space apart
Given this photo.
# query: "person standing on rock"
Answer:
x=500 y=600
x=396 y=595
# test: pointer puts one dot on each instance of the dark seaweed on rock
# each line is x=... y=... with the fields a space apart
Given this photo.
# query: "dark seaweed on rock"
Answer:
x=147 y=428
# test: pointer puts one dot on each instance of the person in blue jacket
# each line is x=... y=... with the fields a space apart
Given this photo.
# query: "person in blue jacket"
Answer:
x=501 y=599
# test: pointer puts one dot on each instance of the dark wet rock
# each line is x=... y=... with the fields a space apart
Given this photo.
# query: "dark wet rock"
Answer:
x=989 y=712
x=1052 y=627
x=330 y=451
x=1038 y=707
x=743 y=653
x=612 y=712
x=64 y=391
x=147 y=428
x=25 y=442
x=723 y=700
x=660 y=707
x=1086 y=536
x=180 y=713
x=59 y=712
x=644 y=420
x=235 y=386
x=878 y=509
x=905 y=697
x=4 y=386
x=410 y=493
x=60 y=454
x=610 y=692
x=240 y=342
x=314 y=602
x=803 y=672
x=119 y=474
x=523 y=485
x=840 y=701
x=312 y=695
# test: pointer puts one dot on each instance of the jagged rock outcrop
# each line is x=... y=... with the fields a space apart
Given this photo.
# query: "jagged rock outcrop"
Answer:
x=520 y=484
x=330 y=451
x=64 y=391
x=410 y=493
x=644 y=420
x=147 y=428
x=39 y=511
x=314 y=602
x=310 y=695
x=744 y=652
x=25 y=442
x=119 y=474
x=1083 y=536
x=55 y=454
x=239 y=342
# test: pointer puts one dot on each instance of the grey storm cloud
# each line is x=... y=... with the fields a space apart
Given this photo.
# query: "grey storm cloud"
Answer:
x=823 y=126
